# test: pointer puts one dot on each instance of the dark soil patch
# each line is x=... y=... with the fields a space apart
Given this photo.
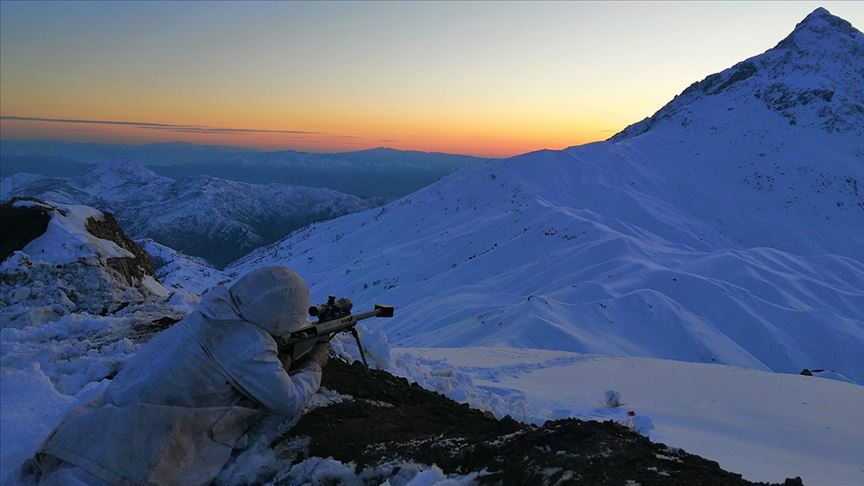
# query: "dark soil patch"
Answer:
x=144 y=332
x=392 y=419
x=388 y=409
x=20 y=225
x=132 y=269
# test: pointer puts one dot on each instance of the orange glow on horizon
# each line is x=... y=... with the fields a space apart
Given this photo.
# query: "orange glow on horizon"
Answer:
x=477 y=141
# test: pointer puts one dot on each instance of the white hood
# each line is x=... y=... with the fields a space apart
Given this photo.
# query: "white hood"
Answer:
x=273 y=298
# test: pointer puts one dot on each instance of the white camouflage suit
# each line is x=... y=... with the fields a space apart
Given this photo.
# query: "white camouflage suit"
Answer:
x=179 y=406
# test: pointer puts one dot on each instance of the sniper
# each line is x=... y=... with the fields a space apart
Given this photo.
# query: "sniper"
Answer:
x=177 y=409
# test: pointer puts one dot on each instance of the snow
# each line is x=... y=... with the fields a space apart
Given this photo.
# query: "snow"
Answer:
x=54 y=350
x=316 y=470
x=10 y=183
x=66 y=239
x=767 y=426
x=181 y=272
x=47 y=368
x=29 y=411
x=432 y=375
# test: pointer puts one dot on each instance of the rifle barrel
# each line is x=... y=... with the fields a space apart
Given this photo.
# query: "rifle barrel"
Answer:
x=366 y=315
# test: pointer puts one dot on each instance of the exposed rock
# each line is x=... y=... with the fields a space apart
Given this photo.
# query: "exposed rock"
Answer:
x=133 y=269
x=21 y=225
x=60 y=259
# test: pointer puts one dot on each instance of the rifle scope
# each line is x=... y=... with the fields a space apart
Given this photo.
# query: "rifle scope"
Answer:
x=332 y=309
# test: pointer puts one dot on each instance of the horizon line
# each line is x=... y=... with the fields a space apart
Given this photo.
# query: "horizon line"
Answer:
x=253 y=149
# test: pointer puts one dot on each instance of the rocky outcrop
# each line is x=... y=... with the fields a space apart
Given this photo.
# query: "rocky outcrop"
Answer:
x=133 y=269
x=21 y=225
x=62 y=259
x=383 y=418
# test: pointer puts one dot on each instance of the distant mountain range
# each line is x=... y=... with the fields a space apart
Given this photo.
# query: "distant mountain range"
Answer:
x=381 y=173
x=94 y=153
x=728 y=227
x=209 y=217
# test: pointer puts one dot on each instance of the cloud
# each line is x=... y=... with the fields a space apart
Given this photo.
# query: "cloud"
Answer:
x=159 y=126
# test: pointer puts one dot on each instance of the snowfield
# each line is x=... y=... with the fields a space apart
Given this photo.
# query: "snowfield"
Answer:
x=766 y=426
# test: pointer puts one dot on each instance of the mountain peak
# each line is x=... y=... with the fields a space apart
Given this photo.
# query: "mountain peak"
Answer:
x=123 y=167
x=115 y=176
x=811 y=78
x=819 y=13
x=822 y=15
x=818 y=25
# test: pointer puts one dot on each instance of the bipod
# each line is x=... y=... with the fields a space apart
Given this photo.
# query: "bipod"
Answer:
x=360 y=347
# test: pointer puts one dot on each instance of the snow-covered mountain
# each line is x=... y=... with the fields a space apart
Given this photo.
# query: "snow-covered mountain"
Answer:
x=20 y=153
x=216 y=219
x=728 y=227
x=381 y=173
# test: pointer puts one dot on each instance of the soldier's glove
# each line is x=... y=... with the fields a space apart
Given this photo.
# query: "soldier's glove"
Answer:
x=320 y=354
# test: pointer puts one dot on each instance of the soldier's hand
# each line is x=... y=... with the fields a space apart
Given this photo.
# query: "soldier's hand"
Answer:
x=320 y=354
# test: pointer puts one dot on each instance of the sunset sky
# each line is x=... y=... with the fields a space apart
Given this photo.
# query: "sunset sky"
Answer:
x=490 y=79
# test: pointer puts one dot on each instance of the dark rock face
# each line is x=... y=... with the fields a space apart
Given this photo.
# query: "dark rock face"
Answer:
x=741 y=72
x=392 y=419
x=20 y=226
x=132 y=269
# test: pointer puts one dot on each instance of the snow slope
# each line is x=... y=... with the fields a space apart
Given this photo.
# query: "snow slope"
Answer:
x=718 y=232
x=764 y=425
x=213 y=218
x=181 y=272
